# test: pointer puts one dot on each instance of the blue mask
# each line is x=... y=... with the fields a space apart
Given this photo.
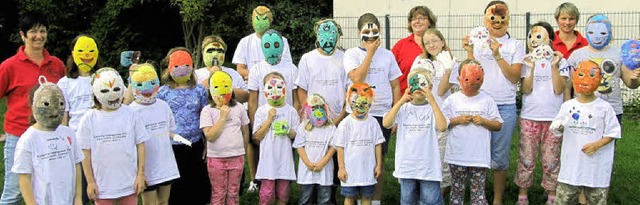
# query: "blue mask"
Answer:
x=127 y=58
x=598 y=31
x=631 y=54
x=272 y=46
x=327 y=36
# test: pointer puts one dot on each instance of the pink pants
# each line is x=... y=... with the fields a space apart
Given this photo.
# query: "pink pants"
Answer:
x=534 y=135
x=225 y=175
x=269 y=189
x=125 y=200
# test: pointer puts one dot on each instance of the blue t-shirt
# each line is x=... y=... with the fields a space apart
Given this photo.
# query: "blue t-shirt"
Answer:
x=186 y=104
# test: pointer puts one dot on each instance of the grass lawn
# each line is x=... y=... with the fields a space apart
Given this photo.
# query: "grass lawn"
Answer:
x=623 y=186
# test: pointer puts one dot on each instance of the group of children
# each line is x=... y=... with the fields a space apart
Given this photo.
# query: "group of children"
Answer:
x=336 y=109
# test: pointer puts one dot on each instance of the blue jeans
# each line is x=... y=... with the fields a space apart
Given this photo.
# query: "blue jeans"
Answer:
x=355 y=191
x=429 y=192
x=501 y=140
x=11 y=191
x=323 y=193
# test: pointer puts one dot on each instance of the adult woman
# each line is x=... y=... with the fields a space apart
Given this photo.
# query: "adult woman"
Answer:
x=407 y=49
x=568 y=39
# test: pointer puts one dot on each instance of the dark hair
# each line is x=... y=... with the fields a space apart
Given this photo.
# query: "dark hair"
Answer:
x=31 y=20
x=72 y=69
x=547 y=26
x=368 y=18
x=166 y=76
x=32 y=92
x=493 y=3
x=425 y=11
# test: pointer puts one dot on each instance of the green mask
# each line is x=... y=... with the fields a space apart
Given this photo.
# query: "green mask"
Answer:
x=272 y=46
x=260 y=21
x=327 y=36
x=280 y=127
x=213 y=54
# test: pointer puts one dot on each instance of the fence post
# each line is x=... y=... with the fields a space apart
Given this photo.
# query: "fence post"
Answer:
x=387 y=32
x=527 y=20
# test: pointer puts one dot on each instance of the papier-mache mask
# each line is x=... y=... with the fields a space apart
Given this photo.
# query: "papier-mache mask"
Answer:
x=316 y=110
x=127 y=58
x=369 y=32
x=497 y=18
x=85 y=53
x=108 y=87
x=275 y=90
x=586 y=78
x=598 y=31
x=479 y=37
x=419 y=79
x=180 y=66
x=221 y=87
x=272 y=46
x=145 y=84
x=48 y=105
x=538 y=36
x=631 y=54
x=261 y=18
x=327 y=32
x=471 y=78
x=543 y=52
x=213 y=54
x=360 y=99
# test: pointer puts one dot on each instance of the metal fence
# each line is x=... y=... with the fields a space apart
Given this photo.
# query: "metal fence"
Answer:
x=625 y=25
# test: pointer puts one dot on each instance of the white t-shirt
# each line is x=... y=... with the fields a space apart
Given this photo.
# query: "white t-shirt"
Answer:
x=160 y=161
x=112 y=138
x=276 y=156
x=542 y=104
x=316 y=144
x=587 y=123
x=609 y=89
x=324 y=75
x=469 y=145
x=230 y=143
x=238 y=82
x=437 y=77
x=50 y=157
x=496 y=84
x=256 y=79
x=417 y=152
x=382 y=71
x=79 y=97
x=359 y=139
x=249 y=51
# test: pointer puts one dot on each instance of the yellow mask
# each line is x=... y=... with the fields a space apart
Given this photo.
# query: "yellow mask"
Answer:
x=221 y=85
x=85 y=53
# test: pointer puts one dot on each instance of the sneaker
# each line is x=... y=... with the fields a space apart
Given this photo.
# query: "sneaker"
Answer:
x=522 y=200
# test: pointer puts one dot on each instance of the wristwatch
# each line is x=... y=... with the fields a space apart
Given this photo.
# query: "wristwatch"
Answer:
x=498 y=58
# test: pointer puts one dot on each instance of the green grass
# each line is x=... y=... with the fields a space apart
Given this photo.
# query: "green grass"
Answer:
x=623 y=185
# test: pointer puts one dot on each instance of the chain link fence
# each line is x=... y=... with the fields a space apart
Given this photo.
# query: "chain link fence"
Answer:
x=625 y=25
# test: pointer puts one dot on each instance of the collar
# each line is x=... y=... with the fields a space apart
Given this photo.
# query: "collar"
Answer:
x=558 y=41
x=22 y=56
x=411 y=38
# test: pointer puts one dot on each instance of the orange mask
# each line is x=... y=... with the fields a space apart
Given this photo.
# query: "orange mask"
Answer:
x=586 y=78
x=471 y=78
x=180 y=66
x=496 y=19
x=360 y=98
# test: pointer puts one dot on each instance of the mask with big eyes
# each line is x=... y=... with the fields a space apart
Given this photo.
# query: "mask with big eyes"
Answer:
x=108 y=87
x=360 y=99
x=272 y=46
x=631 y=54
x=85 y=53
x=316 y=110
x=538 y=36
x=543 y=52
x=369 y=32
x=471 y=79
x=221 y=85
x=328 y=33
x=48 y=105
x=213 y=54
x=145 y=84
x=479 y=36
x=180 y=66
x=275 y=91
x=586 y=78
x=598 y=31
x=497 y=18
x=127 y=58
x=260 y=19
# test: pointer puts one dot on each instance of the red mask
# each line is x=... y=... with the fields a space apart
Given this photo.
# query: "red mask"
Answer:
x=586 y=78
x=471 y=78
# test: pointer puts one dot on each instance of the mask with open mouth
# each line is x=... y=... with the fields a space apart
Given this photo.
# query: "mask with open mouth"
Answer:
x=145 y=84
x=598 y=31
x=48 y=105
x=369 y=32
x=108 y=87
x=360 y=99
x=328 y=32
x=586 y=78
x=221 y=85
x=275 y=91
x=180 y=66
x=631 y=54
x=85 y=53
x=272 y=46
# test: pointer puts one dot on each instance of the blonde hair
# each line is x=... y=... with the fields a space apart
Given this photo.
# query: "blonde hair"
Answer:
x=213 y=39
x=426 y=73
x=262 y=10
x=436 y=32
x=568 y=8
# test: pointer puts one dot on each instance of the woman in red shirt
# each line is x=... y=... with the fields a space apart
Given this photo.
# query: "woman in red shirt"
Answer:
x=569 y=40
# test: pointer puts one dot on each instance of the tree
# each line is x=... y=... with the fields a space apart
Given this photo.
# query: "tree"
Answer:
x=193 y=25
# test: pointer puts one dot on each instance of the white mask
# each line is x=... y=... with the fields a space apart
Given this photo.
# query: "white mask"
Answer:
x=479 y=37
x=543 y=52
x=108 y=87
x=369 y=31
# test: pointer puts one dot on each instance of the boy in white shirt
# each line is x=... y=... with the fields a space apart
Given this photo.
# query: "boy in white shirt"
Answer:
x=588 y=124
x=358 y=140
x=472 y=115
x=417 y=163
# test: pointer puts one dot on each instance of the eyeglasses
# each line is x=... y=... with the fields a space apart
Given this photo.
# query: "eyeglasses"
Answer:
x=421 y=18
x=432 y=42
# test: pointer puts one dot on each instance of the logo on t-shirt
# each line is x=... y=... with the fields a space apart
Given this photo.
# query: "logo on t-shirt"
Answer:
x=69 y=140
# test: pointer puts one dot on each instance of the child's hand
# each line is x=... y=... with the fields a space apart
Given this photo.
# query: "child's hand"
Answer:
x=478 y=120
x=463 y=119
x=280 y=127
x=495 y=46
x=92 y=191
x=272 y=114
x=528 y=61
x=556 y=58
x=318 y=166
x=372 y=46
x=591 y=148
x=140 y=184
x=407 y=96
x=466 y=45
x=224 y=112
x=429 y=95
x=342 y=175
x=310 y=166
x=377 y=172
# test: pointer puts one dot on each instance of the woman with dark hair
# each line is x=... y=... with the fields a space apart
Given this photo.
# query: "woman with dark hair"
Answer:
x=406 y=50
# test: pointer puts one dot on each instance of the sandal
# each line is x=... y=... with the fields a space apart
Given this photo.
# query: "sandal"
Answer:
x=522 y=200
